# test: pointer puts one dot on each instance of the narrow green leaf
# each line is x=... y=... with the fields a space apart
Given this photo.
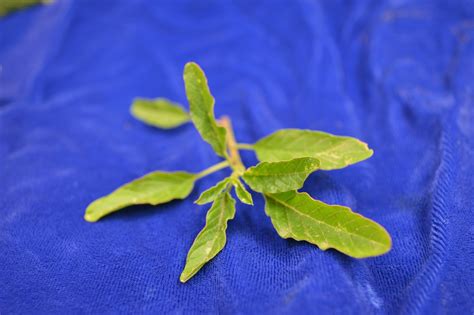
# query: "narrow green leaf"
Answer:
x=154 y=188
x=201 y=104
x=159 y=112
x=333 y=152
x=211 y=194
x=298 y=216
x=212 y=238
x=241 y=192
x=274 y=177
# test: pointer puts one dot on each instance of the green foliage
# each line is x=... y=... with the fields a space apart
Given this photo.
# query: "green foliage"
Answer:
x=211 y=194
x=333 y=152
x=274 y=177
x=201 y=104
x=8 y=6
x=288 y=157
x=212 y=238
x=241 y=192
x=159 y=112
x=298 y=216
x=153 y=189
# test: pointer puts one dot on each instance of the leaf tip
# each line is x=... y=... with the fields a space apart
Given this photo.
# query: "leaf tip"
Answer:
x=369 y=151
x=249 y=200
x=185 y=276
x=199 y=202
x=385 y=244
x=191 y=65
x=90 y=218
x=133 y=107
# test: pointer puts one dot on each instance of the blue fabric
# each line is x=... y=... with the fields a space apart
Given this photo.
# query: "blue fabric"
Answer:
x=397 y=74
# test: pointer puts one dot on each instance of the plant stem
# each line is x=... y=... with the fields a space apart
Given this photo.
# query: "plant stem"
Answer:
x=244 y=146
x=214 y=168
x=234 y=156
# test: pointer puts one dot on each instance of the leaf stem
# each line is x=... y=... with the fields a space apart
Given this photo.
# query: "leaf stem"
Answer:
x=214 y=168
x=234 y=156
x=244 y=146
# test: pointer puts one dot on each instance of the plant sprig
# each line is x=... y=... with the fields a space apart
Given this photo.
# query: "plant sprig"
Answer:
x=287 y=157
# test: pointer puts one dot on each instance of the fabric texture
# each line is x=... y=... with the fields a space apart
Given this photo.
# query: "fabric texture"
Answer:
x=397 y=74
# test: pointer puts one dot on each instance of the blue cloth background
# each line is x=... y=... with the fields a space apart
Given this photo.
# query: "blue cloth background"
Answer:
x=397 y=74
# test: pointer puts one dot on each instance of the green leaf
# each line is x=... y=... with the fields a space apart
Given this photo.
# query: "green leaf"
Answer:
x=298 y=216
x=333 y=152
x=211 y=194
x=201 y=104
x=159 y=112
x=154 y=188
x=274 y=177
x=241 y=192
x=7 y=6
x=212 y=238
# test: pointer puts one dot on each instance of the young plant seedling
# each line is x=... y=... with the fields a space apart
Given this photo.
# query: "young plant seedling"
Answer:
x=287 y=158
